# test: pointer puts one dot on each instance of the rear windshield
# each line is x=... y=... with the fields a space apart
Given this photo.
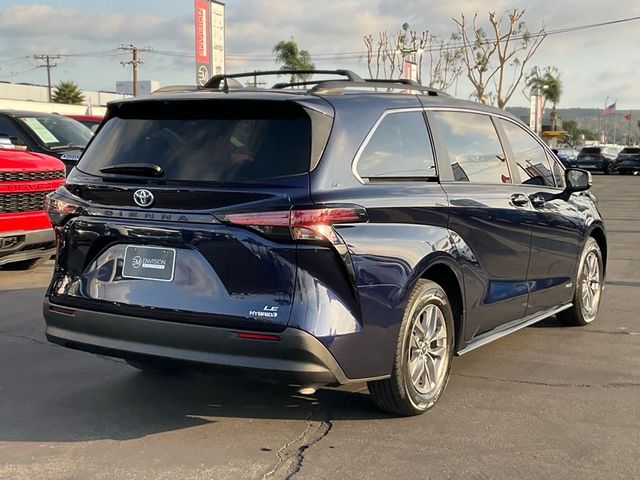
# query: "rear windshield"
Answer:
x=591 y=150
x=634 y=151
x=57 y=132
x=239 y=146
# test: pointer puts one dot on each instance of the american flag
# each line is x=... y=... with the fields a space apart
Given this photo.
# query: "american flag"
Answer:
x=609 y=109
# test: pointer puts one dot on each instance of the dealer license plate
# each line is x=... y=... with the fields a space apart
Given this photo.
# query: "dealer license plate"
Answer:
x=149 y=263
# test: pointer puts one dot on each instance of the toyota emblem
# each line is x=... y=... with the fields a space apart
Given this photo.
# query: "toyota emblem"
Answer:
x=143 y=198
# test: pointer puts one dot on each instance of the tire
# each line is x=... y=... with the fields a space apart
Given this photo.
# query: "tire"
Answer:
x=27 y=264
x=155 y=366
x=428 y=306
x=609 y=168
x=586 y=299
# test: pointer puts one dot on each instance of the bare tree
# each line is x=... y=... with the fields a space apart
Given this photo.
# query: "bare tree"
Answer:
x=386 y=54
x=495 y=62
x=445 y=61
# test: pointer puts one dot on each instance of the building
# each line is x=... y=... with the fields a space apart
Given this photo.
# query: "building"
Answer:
x=145 y=87
x=26 y=96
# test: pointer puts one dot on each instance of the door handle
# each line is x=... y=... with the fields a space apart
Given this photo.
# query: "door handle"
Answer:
x=519 y=199
x=537 y=200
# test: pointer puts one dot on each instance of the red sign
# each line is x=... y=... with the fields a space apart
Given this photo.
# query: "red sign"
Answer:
x=202 y=31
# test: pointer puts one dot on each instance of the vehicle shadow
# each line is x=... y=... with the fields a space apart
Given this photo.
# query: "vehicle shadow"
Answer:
x=549 y=322
x=132 y=404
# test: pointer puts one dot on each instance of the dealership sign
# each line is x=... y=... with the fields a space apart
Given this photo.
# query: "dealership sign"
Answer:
x=209 y=29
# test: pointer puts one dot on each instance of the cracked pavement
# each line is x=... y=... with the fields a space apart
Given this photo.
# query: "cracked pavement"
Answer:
x=546 y=402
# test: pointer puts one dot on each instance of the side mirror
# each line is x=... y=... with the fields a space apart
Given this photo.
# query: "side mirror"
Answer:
x=577 y=180
x=5 y=142
x=11 y=143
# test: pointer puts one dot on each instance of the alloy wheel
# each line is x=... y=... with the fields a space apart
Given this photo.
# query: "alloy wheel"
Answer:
x=428 y=350
x=590 y=286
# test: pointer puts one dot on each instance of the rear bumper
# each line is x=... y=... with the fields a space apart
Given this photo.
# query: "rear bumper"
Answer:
x=297 y=357
x=628 y=168
x=26 y=245
x=597 y=166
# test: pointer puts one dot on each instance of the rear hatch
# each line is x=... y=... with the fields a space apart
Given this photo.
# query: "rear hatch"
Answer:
x=629 y=157
x=159 y=206
x=590 y=156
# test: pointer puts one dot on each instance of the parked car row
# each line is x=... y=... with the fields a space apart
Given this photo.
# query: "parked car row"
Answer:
x=605 y=159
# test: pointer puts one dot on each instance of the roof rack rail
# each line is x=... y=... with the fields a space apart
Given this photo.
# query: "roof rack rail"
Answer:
x=338 y=86
x=217 y=81
x=225 y=82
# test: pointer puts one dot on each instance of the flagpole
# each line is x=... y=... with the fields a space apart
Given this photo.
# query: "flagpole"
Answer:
x=629 y=132
x=615 y=108
x=603 y=122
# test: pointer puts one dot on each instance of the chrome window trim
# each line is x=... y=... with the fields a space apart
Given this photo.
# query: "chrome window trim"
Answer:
x=374 y=128
x=492 y=116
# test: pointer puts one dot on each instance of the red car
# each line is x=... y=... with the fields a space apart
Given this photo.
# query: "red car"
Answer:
x=26 y=236
x=92 y=122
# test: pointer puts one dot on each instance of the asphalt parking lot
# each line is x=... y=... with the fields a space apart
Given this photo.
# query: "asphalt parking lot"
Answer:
x=546 y=402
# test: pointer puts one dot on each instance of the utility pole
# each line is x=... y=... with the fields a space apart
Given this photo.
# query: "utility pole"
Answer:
x=256 y=83
x=48 y=65
x=135 y=61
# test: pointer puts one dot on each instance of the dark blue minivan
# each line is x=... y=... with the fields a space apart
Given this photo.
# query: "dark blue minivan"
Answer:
x=323 y=232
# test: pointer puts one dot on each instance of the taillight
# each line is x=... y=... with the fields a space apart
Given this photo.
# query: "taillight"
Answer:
x=300 y=224
x=60 y=208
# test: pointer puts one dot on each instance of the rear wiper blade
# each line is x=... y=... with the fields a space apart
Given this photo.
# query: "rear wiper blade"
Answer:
x=140 y=169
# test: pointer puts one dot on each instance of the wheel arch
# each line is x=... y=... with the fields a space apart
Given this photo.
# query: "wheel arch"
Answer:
x=445 y=271
x=597 y=233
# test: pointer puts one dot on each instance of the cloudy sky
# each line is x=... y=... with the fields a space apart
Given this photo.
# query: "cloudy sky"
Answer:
x=594 y=63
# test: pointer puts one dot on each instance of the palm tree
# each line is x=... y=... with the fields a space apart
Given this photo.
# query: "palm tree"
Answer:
x=550 y=85
x=67 y=92
x=292 y=58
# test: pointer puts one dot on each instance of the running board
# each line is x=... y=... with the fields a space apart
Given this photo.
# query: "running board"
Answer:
x=504 y=330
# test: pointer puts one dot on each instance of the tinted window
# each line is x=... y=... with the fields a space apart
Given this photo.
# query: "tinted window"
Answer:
x=532 y=161
x=205 y=149
x=398 y=148
x=474 y=150
x=7 y=128
x=630 y=150
x=590 y=150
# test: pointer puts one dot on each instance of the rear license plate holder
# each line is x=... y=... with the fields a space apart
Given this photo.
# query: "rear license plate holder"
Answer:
x=149 y=263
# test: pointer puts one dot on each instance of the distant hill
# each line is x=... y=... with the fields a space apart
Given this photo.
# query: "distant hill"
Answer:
x=588 y=118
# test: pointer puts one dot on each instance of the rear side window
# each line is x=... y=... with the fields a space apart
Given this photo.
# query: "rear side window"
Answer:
x=239 y=147
x=473 y=146
x=532 y=161
x=8 y=129
x=630 y=151
x=399 y=148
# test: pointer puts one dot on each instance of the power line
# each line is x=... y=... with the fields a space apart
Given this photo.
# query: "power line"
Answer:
x=13 y=74
x=266 y=57
x=357 y=54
